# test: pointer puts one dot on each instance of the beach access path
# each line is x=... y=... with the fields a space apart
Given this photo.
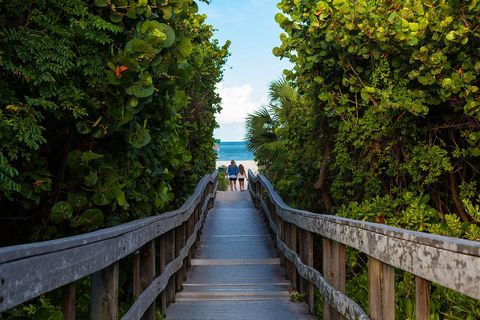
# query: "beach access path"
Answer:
x=236 y=273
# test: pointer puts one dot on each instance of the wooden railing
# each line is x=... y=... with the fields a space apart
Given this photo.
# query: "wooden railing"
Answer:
x=161 y=247
x=450 y=262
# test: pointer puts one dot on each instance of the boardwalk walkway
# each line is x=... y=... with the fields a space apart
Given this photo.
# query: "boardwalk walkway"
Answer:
x=236 y=273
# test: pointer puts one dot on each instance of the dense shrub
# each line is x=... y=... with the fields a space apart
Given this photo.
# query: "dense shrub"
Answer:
x=106 y=112
x=106 y=115
x=379 y=120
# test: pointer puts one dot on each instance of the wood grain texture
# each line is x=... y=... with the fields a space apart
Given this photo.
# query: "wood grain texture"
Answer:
x=342 y=303
x=334 y=271
x=450 y=262
x=136 y=279
x=69 y=301
x=104 y=296
x=381 y=290
x=422 y=299
x=235 y=264
x=147 y=274
x=149 y=295
x=162 y=264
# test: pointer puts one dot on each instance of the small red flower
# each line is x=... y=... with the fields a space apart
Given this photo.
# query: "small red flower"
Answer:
x=119 y=70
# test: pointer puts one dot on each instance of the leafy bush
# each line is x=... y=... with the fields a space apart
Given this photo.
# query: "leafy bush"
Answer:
x=106 y=114
x=384 y=120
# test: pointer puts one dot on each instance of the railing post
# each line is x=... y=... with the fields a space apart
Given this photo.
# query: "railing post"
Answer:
x=137 y=283
x=294 y=247
x=196 y=217
x=104 y=298
x=381 y=290
x=334 y=272
x=162 y=264
x=256 y=191
x=210 y=190
x=69 y=298
x=190 y=228
x=422 y=299
x=170 y=255
x=308 y=254
x=281 y=231
x=179 y=244
x=147 y=274
x=286 y=237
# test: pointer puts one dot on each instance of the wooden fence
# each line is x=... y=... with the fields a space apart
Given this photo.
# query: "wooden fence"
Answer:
x=161 y=246
x=450 y=262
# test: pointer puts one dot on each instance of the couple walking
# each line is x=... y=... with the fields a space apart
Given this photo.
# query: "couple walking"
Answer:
x=234 y=173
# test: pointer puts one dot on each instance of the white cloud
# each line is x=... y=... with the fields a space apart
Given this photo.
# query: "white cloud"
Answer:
x=237 y=102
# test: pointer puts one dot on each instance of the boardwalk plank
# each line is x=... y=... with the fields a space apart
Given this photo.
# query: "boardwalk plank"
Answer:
x=236 y=272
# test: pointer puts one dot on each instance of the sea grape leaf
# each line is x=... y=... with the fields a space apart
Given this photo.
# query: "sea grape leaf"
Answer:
x=90 y=179
x=61 y=211
x=180 y=100
x=141 y=90
x=77 y=199
x=92 y=217
x=185 y=47
x=101 y=199
x=139 y=138
x=167 y=12
x=89 y=156
x=170 y=35
x=102 y=3
x=83 y=128
x=138 y=45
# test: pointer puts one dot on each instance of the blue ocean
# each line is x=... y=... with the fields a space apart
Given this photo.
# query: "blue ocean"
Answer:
x=234 y=151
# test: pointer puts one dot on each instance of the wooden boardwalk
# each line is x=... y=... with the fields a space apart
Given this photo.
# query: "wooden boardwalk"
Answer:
x=235 y=273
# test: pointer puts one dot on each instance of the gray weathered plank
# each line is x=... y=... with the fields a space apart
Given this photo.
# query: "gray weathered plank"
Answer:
x=242 y=270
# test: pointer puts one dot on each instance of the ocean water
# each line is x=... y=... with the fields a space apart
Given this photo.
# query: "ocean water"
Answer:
x=234 y=151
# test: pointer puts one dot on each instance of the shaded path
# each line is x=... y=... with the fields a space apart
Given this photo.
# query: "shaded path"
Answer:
x=236 y=273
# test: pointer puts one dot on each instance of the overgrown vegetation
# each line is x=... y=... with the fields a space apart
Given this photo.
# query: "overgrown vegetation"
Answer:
x=379 y=120
x=106 y=113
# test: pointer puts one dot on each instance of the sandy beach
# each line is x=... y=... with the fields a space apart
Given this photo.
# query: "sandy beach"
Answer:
x=248 y=164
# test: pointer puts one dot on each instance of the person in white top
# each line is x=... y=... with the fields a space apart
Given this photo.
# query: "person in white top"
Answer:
x=241 y=177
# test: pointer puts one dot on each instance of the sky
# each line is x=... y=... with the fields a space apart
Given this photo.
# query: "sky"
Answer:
x=250 y=26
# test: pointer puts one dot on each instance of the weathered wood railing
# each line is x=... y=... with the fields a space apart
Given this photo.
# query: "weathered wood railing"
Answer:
x=450 y=262
x=161 y=247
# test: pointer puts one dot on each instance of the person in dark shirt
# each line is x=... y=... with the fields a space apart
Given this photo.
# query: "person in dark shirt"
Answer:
x=232 y=172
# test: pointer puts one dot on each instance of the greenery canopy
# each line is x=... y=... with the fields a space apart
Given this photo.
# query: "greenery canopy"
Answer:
x=99 y=102
x=383 y=123
x=106 y=115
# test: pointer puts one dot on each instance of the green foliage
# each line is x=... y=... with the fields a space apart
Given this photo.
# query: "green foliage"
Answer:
x=107 y=111
x=384 y=122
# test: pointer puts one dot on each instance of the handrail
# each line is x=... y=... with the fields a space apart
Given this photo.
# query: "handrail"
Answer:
x=450 y=262
x=29 y=270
